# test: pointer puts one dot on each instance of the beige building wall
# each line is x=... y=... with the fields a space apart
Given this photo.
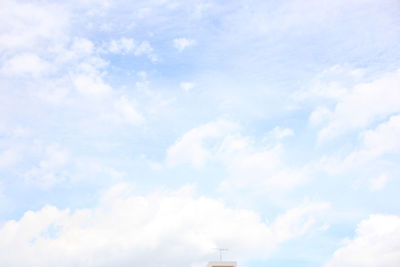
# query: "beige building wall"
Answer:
x=222 y=264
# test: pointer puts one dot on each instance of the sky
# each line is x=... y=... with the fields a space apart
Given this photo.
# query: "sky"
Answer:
x=150 y=133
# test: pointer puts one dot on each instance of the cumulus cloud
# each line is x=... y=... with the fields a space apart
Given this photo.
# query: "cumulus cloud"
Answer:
x=377 y=142
x=165 y=228
x=259 y=168
x=190 y=148
x=373 y=144
x=182 y=43
x=91 y=85
x=26 y=64
x=221 y=142
x=376 y=243
x=347 y=100
x=365 y=103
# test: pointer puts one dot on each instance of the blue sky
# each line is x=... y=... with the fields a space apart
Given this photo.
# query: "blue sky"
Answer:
x=144 y=133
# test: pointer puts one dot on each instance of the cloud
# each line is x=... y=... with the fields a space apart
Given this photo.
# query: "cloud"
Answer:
x=125 y=46
x=365 y=103
x=9 y=157
x=51 y=169
x=126 y=112
x=319 y=115
x=165 y=228
x=374 y=144
x=298 y=221
x=377 y=142
x=246 y=163
x=79 y=48
x=91 y=85
x=121 y=46
x=30 y=25
x=378 y=183
x=258 y=168
x=26 y=64
x=376 y=243
x=182 y=43
x=190 y=148
x=187 y=86
x=331 y=83
x=281 y=133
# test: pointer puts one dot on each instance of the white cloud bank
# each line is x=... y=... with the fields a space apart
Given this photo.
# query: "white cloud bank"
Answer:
x=356 y=106
x=160 y=229
x=375 y=143
x=246 y=163
x=376 y=244
x=379 y=141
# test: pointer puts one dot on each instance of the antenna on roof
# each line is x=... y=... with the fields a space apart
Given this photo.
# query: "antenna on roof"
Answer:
x=220 y=250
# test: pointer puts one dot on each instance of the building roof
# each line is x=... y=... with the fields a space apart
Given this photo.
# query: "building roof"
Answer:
x=222 y=264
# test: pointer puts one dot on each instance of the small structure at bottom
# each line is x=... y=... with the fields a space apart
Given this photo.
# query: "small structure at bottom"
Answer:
x=222 y=264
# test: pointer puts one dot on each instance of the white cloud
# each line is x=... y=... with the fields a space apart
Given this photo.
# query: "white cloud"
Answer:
x=377 y=142
x=79 y=48
x=319 y=115
x=28 y=25
x=297 y=13
x=51 y=169
x=347 y=100
x=378 y=183
x=298 y=221
x=166 y=229
x=182 y=43
x=2 y=197
x=126 y=112
x=331 y=83
x=125 y=46
x=259 y=168
x=187 y=86
x=121 y=46
x=91 y=85
x=9 y=157
x=246 y=163
x=146 y=49
x=25 y=64
x=374 y=144
x=363 y=104
x=376 y=243
x=281 y=133
x=82 y=46
x=190 y=147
